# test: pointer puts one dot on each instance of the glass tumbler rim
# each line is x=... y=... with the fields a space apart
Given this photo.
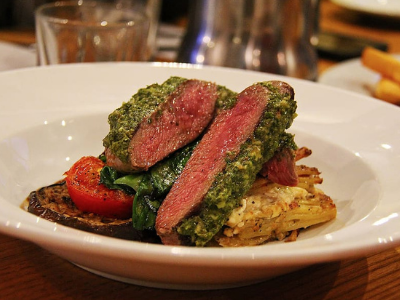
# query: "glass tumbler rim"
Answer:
x=133 y=17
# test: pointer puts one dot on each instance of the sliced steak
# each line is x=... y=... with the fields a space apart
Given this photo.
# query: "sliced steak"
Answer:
x=178 y=114
x=281 y=168
x=222 y=141
x=176 y=122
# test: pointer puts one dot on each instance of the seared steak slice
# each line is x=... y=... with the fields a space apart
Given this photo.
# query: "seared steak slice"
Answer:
x=177 y=118
x=220 y=145
x=281 y=168
x=54 y=204
x=175 y=123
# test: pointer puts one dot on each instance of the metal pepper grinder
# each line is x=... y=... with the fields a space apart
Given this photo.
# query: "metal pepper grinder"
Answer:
x=274 y=36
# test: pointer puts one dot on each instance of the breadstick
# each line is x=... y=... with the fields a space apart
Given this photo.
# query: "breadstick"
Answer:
x=388 y=90
x=381 y=62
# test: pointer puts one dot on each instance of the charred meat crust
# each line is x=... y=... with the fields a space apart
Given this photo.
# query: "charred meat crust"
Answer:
x=54 y=204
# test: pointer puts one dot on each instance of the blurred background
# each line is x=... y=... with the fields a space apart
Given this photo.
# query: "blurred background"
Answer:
x=310 y=39
x=20 y=13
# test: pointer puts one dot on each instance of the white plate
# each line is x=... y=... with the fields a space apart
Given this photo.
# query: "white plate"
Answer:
x=353 y=76
x=55 y=115
x=385 y=8
x=16 y=57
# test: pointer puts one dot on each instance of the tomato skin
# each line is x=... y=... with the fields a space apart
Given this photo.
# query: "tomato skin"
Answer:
x=89 y=195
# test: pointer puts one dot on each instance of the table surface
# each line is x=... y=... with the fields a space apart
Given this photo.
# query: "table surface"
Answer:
x=30 y=272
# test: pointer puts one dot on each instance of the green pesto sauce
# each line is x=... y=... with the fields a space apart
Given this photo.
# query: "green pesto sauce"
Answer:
x=226 y=98
x=240 y=173
x=125 y=120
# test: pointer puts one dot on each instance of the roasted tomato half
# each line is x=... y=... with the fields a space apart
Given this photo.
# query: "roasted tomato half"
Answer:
x=89 y=195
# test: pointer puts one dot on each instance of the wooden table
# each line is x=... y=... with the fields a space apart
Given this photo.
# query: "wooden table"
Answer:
x=29 y=272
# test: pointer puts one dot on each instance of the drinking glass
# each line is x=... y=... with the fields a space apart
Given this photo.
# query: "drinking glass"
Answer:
x=82 y=31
